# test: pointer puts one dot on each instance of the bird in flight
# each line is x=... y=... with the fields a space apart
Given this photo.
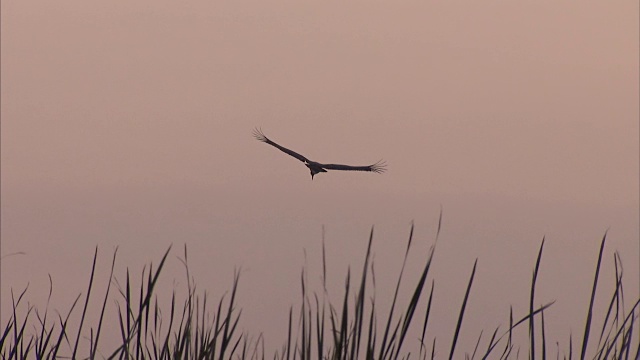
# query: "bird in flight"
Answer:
x=316 y=167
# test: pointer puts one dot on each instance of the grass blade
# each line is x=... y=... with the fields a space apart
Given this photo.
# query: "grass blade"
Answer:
x=460 y=317
x=532 y=334
x=587 y=326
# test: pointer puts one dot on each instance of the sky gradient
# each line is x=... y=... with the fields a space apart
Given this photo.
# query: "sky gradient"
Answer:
x=129 y=124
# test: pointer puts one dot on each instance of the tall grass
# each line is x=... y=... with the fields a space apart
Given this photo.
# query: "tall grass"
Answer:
x=317 y=328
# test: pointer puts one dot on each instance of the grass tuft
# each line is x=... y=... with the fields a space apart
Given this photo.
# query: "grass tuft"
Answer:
x=199 y=329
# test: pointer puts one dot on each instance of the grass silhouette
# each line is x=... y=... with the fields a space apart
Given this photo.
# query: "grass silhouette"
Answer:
x=345 y=330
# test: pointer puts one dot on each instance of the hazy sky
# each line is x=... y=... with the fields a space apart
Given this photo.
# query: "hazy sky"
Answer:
x=128 y=123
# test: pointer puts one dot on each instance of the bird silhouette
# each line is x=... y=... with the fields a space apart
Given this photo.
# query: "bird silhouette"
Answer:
x=316 y=167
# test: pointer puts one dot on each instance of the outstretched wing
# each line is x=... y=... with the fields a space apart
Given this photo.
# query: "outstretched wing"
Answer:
x=378 y=167
x=260 y=136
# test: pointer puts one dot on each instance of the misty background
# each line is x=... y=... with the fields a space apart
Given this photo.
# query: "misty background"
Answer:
x=128 y=124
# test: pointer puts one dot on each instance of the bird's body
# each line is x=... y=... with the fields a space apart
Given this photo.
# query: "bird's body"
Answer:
x=316 y=167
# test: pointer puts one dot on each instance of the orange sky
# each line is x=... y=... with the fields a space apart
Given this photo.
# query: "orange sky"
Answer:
x=129 y=124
